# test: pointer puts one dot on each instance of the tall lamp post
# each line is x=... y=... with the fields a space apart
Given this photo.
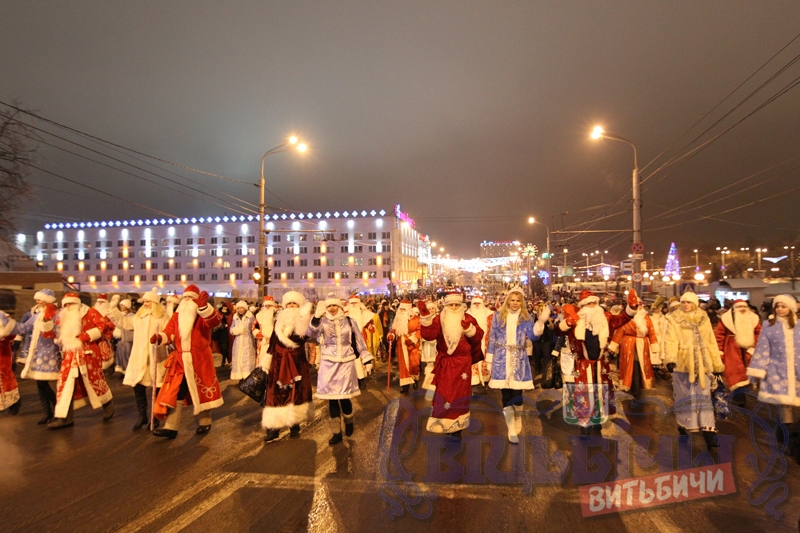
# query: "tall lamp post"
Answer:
x=532 y=220
x=262 y=236
x=759 y=251
x=599 y=133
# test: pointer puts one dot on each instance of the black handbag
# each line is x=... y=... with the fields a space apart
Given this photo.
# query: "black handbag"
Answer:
x=255 y=385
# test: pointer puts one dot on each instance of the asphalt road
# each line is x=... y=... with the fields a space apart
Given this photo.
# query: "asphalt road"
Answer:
x=390 y=476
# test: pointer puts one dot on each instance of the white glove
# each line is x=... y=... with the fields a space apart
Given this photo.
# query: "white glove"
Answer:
x=114 y=301
x=320 y=312
x=544 y=314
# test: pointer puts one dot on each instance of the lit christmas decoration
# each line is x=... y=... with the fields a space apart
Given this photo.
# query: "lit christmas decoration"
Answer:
x=673 y=266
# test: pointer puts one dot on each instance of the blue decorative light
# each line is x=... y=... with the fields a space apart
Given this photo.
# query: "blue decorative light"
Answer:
x=292 y=216
x=319 y=215
x=372 y=213
x=301 y=215
x=327 y=214
x=381 y=212
x=345 y=214
x=217 y=219
x=363 y=213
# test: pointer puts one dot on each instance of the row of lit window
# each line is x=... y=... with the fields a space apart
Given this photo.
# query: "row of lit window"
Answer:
x=219 y=263
x=160 y=278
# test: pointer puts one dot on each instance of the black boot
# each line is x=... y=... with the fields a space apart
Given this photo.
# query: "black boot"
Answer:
x=682 y=431
x=14 y=409
x=404 y=389
x=294 y=431
x=140 y=394
x=348 y=424
x=271 y=435
x=711 y=440
x=47 y=399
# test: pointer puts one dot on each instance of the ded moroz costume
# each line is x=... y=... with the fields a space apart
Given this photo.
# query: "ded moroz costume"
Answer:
x=288 y=401
x=123 y=332
x=405 y=331
x=243 y=353
x=481 y=373
x=190 y=375
x=737 y=333
x=635 y=341
x=43 y=357
x=458 y=343
x=80 y=379
x=9 y=391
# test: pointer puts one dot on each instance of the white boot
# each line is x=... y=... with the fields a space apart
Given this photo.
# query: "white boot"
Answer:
x=429 y=393
x=508 y=413
x=518 y=419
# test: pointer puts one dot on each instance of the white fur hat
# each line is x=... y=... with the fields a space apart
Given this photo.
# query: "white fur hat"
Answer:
x=354 y=299
x=269 y=301
x=70 y=298
x=453 y=298
x=787 y=300
x=406 y=305
x=126 y=303
x=690 y=297
x=45 y=295
x=151 y=296
x=332 y=299
x=242 y=304
x=293 y=297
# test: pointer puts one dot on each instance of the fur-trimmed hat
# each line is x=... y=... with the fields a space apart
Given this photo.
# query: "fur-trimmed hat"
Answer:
x=632 y=303
x=354 y=299
x=102 y=296
x=45 y=295
x=192 y=291
x=477 y=300
x=786 y=299
x=70 y=298
x=673 y=303
x=126 y=303
x=658 y=303
x=689 y=296
x=269 y=301
x=151 y=296
x=332 y=299
x=406 y=305
x=172 y=299
x=293 y=297
x=741 y=301
x=587 y=297
x=242 y=303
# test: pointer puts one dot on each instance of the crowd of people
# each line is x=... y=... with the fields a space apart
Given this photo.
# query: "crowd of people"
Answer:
x=587 y=347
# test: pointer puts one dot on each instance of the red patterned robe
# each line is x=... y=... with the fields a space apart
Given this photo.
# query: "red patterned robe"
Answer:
x=452 y=375
x=193 y=359
x=737 y=347
x=9 y=391
x=85 y=363
x=408 y=357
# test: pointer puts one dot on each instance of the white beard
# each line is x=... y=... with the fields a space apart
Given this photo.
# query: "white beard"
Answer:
x=102 y=307
x=69 y=322
x=360 y=314
x=451 y=328
x=286 y=325
x=641 y=322
x=187 y=314
x=266 y=321
x=594 y=318
x=745 y=325
x=481 y=314
x=400 y=324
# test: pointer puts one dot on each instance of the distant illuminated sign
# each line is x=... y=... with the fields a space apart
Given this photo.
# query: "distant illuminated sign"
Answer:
x=403 y=216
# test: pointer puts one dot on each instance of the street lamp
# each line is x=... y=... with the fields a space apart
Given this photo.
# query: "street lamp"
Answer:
x=697 y=260
x=599 y=133
x=759 y=251
x=532 y=220
x=291 y=144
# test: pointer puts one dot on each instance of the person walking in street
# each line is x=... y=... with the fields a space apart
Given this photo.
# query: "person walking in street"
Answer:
x=337 y=380
x=737 y=333
x=148 y=321
x=9 y=389
x=243 y=353
x=481 y=373
x=190 y=375
x=288 y=397
x=776 y=360
x=123 y=333
x=427 y=355
x=635 y=342
x=458 y=343
x=43 y=357
x=505 y=352
x=80 y=379
x=405 y=331
x=692 y=355
x=263 y=326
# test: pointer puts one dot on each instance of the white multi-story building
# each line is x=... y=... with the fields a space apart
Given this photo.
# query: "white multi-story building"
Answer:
x=341 y=252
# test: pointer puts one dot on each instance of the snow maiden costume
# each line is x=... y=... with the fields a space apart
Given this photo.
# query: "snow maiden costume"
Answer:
x=243 y=353
x=43 y=358
x=337 y=381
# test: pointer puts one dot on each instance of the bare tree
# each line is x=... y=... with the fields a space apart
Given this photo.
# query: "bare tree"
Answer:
x=16 y=155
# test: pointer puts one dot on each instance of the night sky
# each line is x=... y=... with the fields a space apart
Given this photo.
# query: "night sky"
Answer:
x=472 y=115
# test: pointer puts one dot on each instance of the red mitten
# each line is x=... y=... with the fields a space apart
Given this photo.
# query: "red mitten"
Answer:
x=155 y=338
x=423 y=308
x=84 y=337
x=49 y=312
x=570 y=314
x=201 y=300
x=465 y=324
x=259 y=336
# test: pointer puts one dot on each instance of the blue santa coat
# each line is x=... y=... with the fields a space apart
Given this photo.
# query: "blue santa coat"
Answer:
x=43 y=362
x=520 y=378
x=775 y=363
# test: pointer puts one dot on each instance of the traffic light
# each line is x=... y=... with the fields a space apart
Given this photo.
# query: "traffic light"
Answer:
x=267 y=275
x=256 y=274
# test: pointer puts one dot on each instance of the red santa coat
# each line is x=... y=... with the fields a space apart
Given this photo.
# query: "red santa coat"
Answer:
x=9 y=391
x=408 y=357
x=86 y=363
x=737 y=342
x=634 y=345
x=452 y=375
x=193 y=360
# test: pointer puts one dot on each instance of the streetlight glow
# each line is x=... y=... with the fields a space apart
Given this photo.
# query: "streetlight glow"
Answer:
x=293 y=139
x=597 y=132
x=302 y=147
x=531 y=220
